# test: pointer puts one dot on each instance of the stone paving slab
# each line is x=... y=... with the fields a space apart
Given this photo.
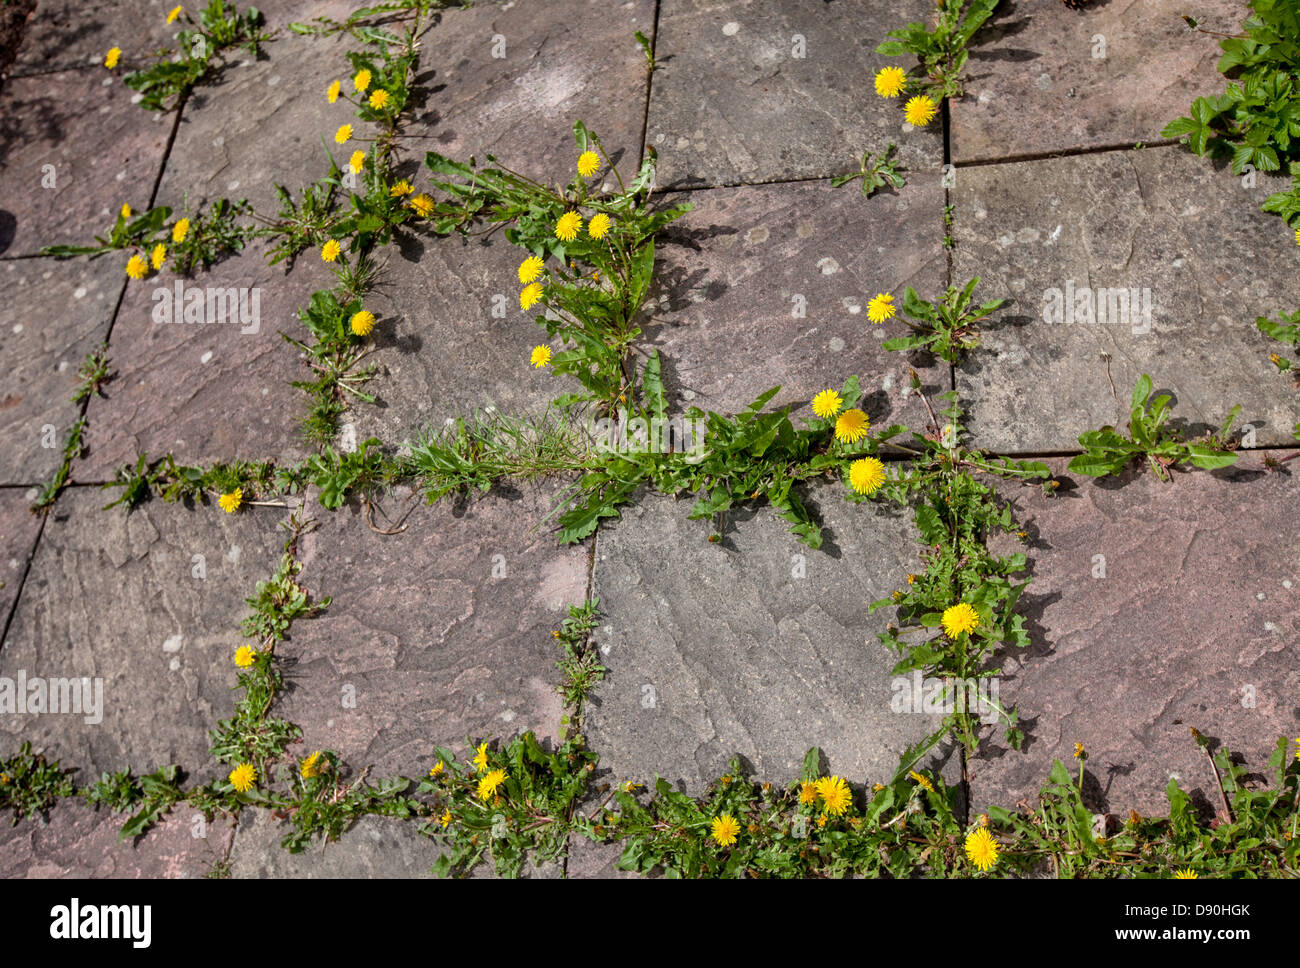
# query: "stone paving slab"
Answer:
x=1035 y=82
x=733 y=102
x=78 y=133
x=451 y=339
x=211 y=391
x=435 y=634
x=115 y=596
x=79 y=842
x=64 y=309
x=561 y=61
x=740 y=266
x=1159 y=220
x=19 y=528
x=589 y=860
x=720 y=649
x=1194 y=624
x=77 y=34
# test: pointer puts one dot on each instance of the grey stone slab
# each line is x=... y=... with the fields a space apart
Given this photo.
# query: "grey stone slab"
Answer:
x=733 y=102
x=74 y=148
x=116 y=596
x=75 y=841
x=210 y=391
x=20 y=528
x=435 y=634
x=1035 y=81
x=262 y=122
x=1158 y=220
x=76 y=34
x=769 y=285
x=377 y=847
x=61 y=312
x=451 y=339
x=1154 y=608
x=560 y=61
x=592 y=861
x=722 y=649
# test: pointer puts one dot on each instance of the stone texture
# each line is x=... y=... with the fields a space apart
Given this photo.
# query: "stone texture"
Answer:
x=731 y=103
x=590 y=860
x=78 y=133
x=77 y=34
x=64 y=311
x=206 y=391
x=114 y=595
x=1198 y=610
x=435 y=634
x=715 y=649
x=441 y=351
x=78 y=842
x=375 y=847
x=739 y=266
x=1159 y=219
x=564 y=61
x=20 y=529
x=1034 y=83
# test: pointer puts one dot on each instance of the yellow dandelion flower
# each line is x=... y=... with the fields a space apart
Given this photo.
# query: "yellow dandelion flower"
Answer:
x=821 y=821
x=333 y=92
x=180 y=230
x=110 y=59
x=890 y=81
x=357 y=162
x=245 y=656
x=566 y=229
x=437 y=768
x=1186 y=874
x=630 y=787
x=598 y=225
x=378 y=98
x=362 y=322
x=725 y=830
x=1079 y=753
x=480 y=758
x=982 y=849
x=488 y=785
x=836 y=795
x=851 y=426
x=243 y=777
x=125 y=210
x=530 y=269
x=827 y=404
x=541 y=356
x=4 y=779
x=530 y=295
x=311 y=766
x=422 y=205
x=920 y=111
x=911 y=579
x=960 y=618
x=1297 y=236
x=158 y=256
x=173 y=14
x=136 y=267
x=362 y=80
x=866 y=475
x=881 y=307
x=983 y=819
x=343 y=133
x=921 y=780
x=588 y=163
x=1297 y=747
x=330 y=250
x=807 y=792
x=400 y=188
x=445 y=819
x=231 y=500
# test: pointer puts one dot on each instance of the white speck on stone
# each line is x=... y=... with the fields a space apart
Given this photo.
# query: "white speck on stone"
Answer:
x=173 y=644
x=137 y=98
x=507 y=715
x=827 y=265
x=232 y=555
x=108 y=81
x=218 y=141
x=985 y=97
x=836 y=344
x=1271 y=628
x=887 y=383
x=1286 y=583
x=1027 y=235
x=1055 y=234
x=121 y=175
x=174 y=664
x=348 y=438
x=1259 y=596
x=79 y=292
x=730 y=28
x=206 y=357
x=274 y=80
x=852 y=305
x=1043 y=82
x=879 y=332
x=688 y=394
x=18 y=327
x=233 y=185
x=265 y=391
